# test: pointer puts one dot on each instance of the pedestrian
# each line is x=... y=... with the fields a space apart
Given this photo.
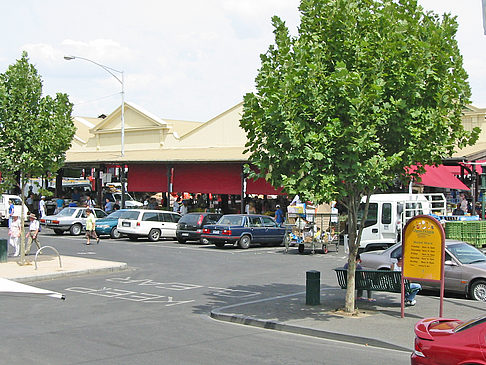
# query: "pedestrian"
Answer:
x=279 y=215
x=59 y=204
x=89 y=202
x=184 y=208
x=14 y=233
x=33 y=234
x=42 y=207
x=414 y=287
x=90 y=227
x=359 y=292
x=177 y=205
x=11 y=210
x=458 y=210
x=464 y=203
x=30 y=203
x=108 y=206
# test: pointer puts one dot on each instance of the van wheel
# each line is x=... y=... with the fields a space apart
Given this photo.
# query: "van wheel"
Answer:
x=59 y=232
x=75 y=229
x=154 y=235
x=114 y=233
x=244 y=241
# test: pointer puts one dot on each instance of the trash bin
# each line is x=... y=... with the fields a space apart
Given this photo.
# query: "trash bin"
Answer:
x=313 y=288
x=3 y=250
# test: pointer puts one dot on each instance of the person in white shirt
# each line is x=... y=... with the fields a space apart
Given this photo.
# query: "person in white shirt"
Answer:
x=42 y=206
x=14 y=233
x=33 y=234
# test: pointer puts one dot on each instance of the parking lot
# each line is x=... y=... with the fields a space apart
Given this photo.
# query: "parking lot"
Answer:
x=157 y=311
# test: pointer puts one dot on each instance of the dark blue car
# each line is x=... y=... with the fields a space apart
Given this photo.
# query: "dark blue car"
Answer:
x=244 y=229
x=107 y=225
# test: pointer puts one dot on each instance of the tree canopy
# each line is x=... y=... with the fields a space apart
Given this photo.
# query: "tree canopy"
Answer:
x=366 y=88
x=35 y=130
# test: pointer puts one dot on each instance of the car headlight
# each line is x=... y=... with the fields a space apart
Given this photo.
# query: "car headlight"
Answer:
x=104 y=226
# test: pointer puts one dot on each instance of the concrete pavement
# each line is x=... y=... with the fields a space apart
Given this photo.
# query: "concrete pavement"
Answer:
x=378 y=324
x=50 y=267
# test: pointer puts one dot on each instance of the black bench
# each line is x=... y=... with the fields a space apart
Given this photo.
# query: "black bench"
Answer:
x=374 y=280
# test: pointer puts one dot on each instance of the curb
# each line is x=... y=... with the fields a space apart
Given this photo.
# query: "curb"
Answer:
x=58 y=275
x=280 y=326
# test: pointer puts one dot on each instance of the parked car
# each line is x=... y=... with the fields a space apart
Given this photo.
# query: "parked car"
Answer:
x=244 y=229
x=190 y=226
x=17 y=201
x=154 y=224
x=72 y=219
x=449 y=341
x=108 y=225
x=129 y=201
x=464 y=268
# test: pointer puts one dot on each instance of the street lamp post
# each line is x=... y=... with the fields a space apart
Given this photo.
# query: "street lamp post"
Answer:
x=122 y=82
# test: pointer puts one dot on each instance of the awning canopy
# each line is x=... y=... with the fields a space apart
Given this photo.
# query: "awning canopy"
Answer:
x=441 y=177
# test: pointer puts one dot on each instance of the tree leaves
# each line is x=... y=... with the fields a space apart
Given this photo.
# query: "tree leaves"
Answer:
x=35 y=131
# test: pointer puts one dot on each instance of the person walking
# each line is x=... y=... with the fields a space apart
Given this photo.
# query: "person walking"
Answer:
x=108 y=206
x=32 y=235
x=42 y=207
x=90 y=227
x=14 y=233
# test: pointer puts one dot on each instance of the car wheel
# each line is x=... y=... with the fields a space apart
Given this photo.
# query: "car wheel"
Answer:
x=75 y=229
x=219 y=244
x=301 y=248
x=181 y=240
x=204 y=241
x=132 y=237
x=478 y=290
x=244 y=241
x=114 y=233
x=58 y=232
x=154 y=235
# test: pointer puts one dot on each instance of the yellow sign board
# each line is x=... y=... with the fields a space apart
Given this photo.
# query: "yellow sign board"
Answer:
x=423 y=249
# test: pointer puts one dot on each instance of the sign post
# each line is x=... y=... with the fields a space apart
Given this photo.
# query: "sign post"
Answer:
x=423 y=253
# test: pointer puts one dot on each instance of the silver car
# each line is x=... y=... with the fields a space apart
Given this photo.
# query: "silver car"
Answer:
x=72 y=219
x=464 y=268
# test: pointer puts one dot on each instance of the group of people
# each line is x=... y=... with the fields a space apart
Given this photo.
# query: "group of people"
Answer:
x=15 y=229
x=409 y=295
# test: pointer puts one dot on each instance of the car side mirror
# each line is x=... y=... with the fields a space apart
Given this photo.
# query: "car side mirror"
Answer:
x=450 y=263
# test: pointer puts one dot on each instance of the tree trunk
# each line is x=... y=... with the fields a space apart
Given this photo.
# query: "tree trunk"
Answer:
x=22 y=213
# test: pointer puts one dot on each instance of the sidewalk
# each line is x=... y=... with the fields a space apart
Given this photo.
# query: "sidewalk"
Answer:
x=379 y=323
x=49 y=267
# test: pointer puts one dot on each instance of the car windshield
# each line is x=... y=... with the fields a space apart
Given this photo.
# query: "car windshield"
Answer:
x=466 y=254
x=115 y=215
x=231 y=220
x=67 y=212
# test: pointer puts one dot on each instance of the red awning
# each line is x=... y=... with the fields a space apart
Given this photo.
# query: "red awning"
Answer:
x=147 y=178
x=441 y=177
x=208 y=178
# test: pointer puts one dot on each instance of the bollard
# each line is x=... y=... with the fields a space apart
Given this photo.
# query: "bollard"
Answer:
x=3 y=250
x=313 y=288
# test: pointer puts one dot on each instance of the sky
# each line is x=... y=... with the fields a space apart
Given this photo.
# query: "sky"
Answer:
x=186 y=60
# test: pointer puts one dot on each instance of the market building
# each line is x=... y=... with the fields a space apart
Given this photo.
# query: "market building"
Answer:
x=165 y=155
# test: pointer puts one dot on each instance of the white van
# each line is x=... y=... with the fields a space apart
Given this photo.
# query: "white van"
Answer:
x=4 y=198
x=388 y=214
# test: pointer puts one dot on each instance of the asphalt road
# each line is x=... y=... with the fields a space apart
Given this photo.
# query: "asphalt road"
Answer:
x=157 y=312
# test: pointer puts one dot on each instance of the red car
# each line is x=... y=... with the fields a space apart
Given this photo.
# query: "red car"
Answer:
x=441 y=341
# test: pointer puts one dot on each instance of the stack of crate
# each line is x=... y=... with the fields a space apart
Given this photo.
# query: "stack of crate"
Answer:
x=472 y=232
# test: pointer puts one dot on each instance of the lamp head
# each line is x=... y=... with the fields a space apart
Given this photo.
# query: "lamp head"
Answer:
x=69 y=58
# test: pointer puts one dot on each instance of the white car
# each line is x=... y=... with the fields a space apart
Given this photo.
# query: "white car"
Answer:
x=154 y=224
x=72 y=219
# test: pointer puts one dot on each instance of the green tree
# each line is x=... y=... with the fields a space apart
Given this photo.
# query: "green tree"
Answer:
x=35 y=130
x=366 y=88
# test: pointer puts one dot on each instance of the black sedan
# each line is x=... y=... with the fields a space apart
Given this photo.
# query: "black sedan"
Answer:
x=244 y=229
